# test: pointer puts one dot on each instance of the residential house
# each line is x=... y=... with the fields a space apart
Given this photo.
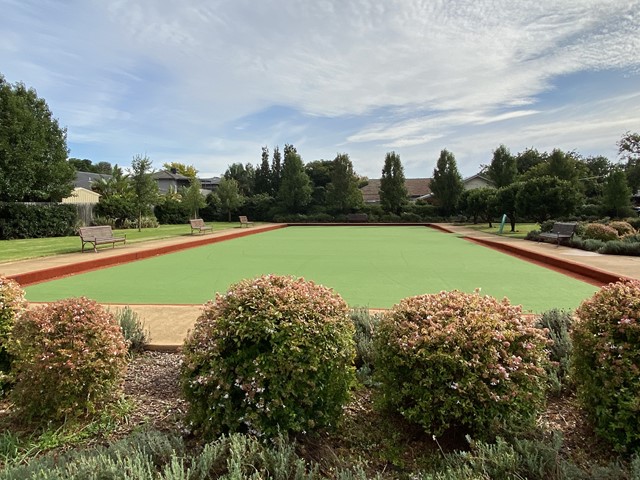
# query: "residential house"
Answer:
x=416 y=188
x=469 y=183
x=171 y=181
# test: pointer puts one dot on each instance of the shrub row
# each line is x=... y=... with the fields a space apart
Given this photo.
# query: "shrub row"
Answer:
x=22 y=220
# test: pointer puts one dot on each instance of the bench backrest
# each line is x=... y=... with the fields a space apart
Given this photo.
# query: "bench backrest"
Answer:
x=101 y=231
x=243 y=219
x=197 y=223
x=563 y=228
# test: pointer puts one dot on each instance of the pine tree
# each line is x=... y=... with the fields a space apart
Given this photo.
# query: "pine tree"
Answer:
x=446 y=183
x=263 y=174
x=276 y=171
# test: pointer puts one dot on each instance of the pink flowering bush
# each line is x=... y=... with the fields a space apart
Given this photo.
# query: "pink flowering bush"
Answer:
x=12 y=305
x=599 y=231
x=274 y=354
x=461 y=360
x=606 y=362
x=70 y=360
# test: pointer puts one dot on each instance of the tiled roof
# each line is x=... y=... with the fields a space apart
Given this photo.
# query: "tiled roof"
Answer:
x=416 y=187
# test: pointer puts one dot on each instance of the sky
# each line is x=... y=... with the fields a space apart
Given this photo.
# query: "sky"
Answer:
x=209 y=83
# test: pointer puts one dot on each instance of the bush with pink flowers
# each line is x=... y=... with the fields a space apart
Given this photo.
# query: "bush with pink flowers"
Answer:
x=623 y=228
x=600 y=231
x=69 y=360
x=12 y=305
x=461 y=360
x=606 y=362
x=272 y=355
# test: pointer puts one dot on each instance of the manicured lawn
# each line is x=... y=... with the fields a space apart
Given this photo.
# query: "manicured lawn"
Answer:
x=369 y=266
x=12 y=250
x=521 y=229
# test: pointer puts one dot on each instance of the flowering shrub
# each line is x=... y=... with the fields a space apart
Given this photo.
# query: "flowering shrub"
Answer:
x=599 y=231
x=273 y=354
x=12 y=305
x=70 y=359
x=606 y=361
x=623 y=228
x=454 y=359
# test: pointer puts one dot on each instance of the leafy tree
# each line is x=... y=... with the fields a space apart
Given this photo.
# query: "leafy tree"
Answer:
x=117 y=184
x=263 y=174
x=33 y=148
x=629 y=150
x=479 y=203
x=343 y=194
x=295 y=186
x=446 y=183
x=598 y=169
x=192 y=198
x=528 y=159
x=103 y=167
x=566 y=166
x=276 y=171
x=617 y=194
x=393 y=191
x=144 y=187
x=543 y=198
x=505 y=202
x=228 y=193
x=319 y=172
x=82 y=165
x=244 y=175
x=186 y=170
x=503 y=169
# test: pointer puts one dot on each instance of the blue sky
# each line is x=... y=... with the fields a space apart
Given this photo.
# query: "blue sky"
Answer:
x=208 y=83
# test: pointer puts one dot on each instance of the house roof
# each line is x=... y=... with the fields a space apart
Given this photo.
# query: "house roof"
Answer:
x=166 y=175
x=416 y=187
x=85 y=179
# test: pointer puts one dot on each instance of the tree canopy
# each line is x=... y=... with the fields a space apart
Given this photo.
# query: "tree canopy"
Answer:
x=503 y=169
x=295 y=187
x=143 y=186
x=393 y=191
x=343 y=194
x=181 y=168
x=33 y=148
x=446 y=183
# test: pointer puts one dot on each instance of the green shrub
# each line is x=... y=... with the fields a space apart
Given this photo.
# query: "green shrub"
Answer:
x=606 y=362
x=12 y=305
x=365 y=325
x=136 y=336
x=621 y=247
x=23 y=220
x=623 y=228
x=70 y=359
x=547 y=226
x=461 y=360
x=272 y=354
x=598 y=231
x=558 y=325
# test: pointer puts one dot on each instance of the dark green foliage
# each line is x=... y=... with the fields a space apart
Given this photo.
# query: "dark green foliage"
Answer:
x=144 y=187
x=621 y=247
x=171 y=212
x=393 y=193
x=546 y=197
x=274 y=354
x=262 y=183
x=446 y=183
x=12 y=305
x=617 y=194
x=343 y=194
x=365 y=326
x=558 y=323
x=505 y=202
x=295 y=189
x=479 y=203
x=606 y=368
x=258 y=207
x=227 y=197
x=245 y=175
x=116 y=208
x=33 y=148
x=503 y=169
x=528 y=159
x=19 y=220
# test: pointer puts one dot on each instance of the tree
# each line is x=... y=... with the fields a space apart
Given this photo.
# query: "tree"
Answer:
x=505 y=202
x=479 y=203
x=117 y=184
x=503 y=169
x=393 y=191
x=446 y=183
x=295 y=187
x=33 y=148
x=82 y=165
x=629 y=150
x=343 y=194
x=276 y=171
x=598 y=169
x=192 y=198
x=244 y=175
x=547 y=197
x=528 y=159
x=617 y=194
x=103 y=167
x=319 y=172
x=186 y=170
x=144 y=187
x=228 y=192
x=263 y=174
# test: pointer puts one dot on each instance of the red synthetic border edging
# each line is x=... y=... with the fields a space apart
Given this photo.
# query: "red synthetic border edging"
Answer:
x=38 y=276
x=357 y=224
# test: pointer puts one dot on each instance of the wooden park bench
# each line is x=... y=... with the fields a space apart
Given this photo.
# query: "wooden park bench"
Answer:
x=559 y=231
x=198 y=225
x=99 y=235
x=244 y=222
